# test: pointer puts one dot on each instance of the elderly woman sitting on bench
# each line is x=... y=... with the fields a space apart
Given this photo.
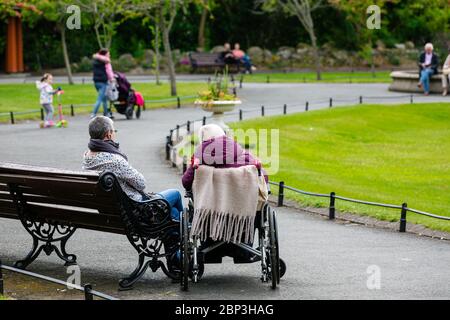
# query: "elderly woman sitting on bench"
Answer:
x=104 y=155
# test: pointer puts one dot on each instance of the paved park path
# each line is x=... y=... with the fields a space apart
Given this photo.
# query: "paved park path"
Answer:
x=325 y=260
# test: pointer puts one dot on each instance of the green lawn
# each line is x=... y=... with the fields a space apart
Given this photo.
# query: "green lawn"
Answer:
x=3 y=297
x=24 y=97
x=327 y=77
x=389 y=154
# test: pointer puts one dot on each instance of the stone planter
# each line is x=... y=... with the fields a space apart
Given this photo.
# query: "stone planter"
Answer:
x=406 y=81
x=218 y=108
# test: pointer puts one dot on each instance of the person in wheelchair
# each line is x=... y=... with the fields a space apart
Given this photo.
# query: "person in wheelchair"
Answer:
x=220 y=151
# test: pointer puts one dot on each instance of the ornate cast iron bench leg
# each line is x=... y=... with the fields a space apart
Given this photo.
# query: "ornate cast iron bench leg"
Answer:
x=46 y=232
x=49 y=235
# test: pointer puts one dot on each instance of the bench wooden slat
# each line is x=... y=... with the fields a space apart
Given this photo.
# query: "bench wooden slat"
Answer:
x=78 y=218
x=45 y=171
x=7 y=206
x=91 y=203
x=5 y=195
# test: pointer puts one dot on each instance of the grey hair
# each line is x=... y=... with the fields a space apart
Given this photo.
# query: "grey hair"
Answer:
x=429 y=45
x=100 y=126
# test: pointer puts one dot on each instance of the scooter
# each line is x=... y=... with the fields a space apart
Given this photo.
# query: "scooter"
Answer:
x=62 y=123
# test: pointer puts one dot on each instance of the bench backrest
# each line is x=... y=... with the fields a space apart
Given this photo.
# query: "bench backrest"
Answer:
x=201 y=58
x=74 y=197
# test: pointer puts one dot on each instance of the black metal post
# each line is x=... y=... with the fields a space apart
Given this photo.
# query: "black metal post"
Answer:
x=72 y=111
x=88 y=292
x=168 y=147
x=262 y=111
x=178 y=132
x=240 y=114
x=403 y=218
x=412 y=99
x=285 y=109
x=360 y=100
x=241 y=81
x=42 y=114
x=281 y=194
x=11 y=114
x=332 y=211
x=143 y=106
x=307 y=106
x=331 y=102
x=234 y=91
x=82 y=80
x=2 y=290
x=209 y=80
x=178 y=102
x=204 y=121
x=188 y=126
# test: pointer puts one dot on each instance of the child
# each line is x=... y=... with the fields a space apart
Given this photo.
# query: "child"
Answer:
x=46 y=98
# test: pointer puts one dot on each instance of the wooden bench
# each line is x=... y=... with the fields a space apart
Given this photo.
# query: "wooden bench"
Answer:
x=52 y=203
x=202 y=60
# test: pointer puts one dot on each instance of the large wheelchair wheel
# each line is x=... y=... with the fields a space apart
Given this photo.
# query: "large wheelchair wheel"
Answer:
x=184 y=251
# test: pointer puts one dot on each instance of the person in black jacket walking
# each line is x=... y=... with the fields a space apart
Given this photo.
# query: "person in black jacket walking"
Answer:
x=428 y=64
x=101 y=79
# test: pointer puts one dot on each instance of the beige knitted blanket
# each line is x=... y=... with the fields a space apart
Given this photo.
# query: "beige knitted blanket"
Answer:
x=225 y=202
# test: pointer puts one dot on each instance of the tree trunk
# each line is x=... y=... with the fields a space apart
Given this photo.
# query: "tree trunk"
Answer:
x=97 y=35
x=157 y=55
x=170 y=64
x=201 y=28
x=66 y=55
x=316 y=54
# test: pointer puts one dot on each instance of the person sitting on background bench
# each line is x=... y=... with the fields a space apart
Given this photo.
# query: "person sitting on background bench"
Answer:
x=428 y=64
x=227 y=55
x=446 y=74
x=104 y=155
x=242 y=57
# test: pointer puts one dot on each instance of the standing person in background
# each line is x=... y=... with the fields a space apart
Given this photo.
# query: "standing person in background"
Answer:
x=446 y=74
x=46 y=98
x=428 y=64
x=103 y=74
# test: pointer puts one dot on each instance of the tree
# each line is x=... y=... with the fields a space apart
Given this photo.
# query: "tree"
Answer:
x=107 y=15
x=56 y=11
x=302 y=9
x=205 y=6
x=163 y=14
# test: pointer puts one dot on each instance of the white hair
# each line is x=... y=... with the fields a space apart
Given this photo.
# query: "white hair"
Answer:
x=429 y=45
x=210 y=131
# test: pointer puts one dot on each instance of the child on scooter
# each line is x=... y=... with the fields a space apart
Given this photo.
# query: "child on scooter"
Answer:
x=46 y=98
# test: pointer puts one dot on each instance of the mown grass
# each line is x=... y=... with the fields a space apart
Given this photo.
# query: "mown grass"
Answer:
x=389 y=154
x=327 y=77
x=25 y=97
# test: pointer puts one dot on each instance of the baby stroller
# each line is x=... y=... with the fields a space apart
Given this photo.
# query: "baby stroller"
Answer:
x=128 y=101
x=196 y=251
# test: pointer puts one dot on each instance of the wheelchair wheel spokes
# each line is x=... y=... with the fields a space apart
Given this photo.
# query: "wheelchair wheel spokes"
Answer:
x=185 y=254
x=264 y=243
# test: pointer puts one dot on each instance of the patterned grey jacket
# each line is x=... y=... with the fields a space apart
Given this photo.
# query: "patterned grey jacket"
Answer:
x=131 y=180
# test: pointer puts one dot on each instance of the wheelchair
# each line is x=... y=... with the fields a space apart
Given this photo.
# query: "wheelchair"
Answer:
x=195 y=253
